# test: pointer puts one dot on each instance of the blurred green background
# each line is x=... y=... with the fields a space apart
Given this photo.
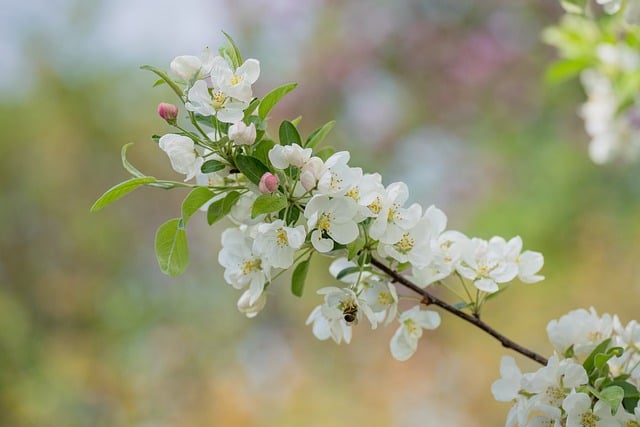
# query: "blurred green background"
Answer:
x=447 y=96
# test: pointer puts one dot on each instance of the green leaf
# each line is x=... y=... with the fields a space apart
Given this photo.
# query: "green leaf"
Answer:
x=589 y=362
x=346 y=271
x=234 y=51
x=261 y=150
x=268 y=203
x=298 y=277
x=194 y=201
x=296 y=121
x=319 y=134
x=211 y=166
x=564 y=70
x=159 y=82
x=128 y=166
x=172 y=250
x=273 y=97
x=220 y=208
x=288 y=134
x=166 y=78
x=613 y=395
x=325 y=153
x=251 y=167
x=120 y=190
x=251 y=108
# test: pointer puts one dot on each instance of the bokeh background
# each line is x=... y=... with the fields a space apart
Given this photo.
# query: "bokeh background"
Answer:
x=445 y=95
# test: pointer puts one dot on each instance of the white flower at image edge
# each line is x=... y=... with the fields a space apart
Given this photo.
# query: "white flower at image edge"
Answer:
x=405 y=341
x=187 y=67
x=580 y=413
x=182 y=154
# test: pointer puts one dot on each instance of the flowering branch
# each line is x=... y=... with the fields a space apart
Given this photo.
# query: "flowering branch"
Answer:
x=428 y=299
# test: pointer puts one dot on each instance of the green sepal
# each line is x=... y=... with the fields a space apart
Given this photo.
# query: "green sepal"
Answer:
x=212 y=165
x=319 y=134
x=298 y=277
x=120 y=190
x=171 y=246
x=272 y=98
x=288 y=134
x=220 y=208
x=194 y=201
x=268 y=203
x=353 y=248
x=251 y=167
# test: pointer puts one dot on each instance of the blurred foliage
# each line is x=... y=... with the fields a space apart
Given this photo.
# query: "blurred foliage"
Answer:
x=92 y=334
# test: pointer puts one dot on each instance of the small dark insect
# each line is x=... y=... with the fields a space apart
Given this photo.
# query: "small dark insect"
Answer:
x=350 y=313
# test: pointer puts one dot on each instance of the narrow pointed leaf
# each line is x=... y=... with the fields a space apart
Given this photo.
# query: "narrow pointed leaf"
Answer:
x=120 y=190
x=272 y=98
x=319 y=134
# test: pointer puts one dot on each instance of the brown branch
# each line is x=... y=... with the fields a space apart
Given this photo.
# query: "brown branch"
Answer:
x=428 y=299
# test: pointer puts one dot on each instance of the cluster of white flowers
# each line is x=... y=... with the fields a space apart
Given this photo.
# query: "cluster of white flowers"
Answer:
x=610 y=120
x=328 y=207
x=591 y=380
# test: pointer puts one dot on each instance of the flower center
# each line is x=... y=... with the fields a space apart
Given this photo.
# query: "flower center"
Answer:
x=350 y=311
x=405 y=244
x=589 y=419
x=354 y=193
x=324 y=222
x=555 y=395
x=385 y=298
x=281 y=237
x=336 y=182
x=376 y=206
x=412 y=328
x=393 y=214
x=251 y=265
x=217 y=99
x=235 y=80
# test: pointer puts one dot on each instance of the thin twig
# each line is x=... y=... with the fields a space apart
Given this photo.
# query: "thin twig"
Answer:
x=428 y=299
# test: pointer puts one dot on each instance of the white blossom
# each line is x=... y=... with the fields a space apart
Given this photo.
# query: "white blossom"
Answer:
x=243 y=268
x=189 y=67
x=276 y=243
x=554 y=382
x=405 y=341
x=508 y=387
x=310 y=173
x=485 y=264
x=251 y=309
x=241 y=134
x=581 y=330
x=336 y=177
x=580 y=413
x=331 y=220
x=214 y=102
x=391 y=219
x=283 y=156
x=235 y=83
x=182 y=154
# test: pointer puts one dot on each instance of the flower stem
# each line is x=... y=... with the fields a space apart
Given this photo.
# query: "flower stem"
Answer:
x=428 y=299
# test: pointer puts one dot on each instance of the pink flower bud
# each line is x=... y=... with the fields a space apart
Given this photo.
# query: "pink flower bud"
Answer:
x=168 y=112
x=268 y=183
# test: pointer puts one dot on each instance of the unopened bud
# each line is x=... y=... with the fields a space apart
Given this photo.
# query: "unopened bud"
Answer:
x=249 y=308
x=168 y=112
x=241 y=134
x=268 y=183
